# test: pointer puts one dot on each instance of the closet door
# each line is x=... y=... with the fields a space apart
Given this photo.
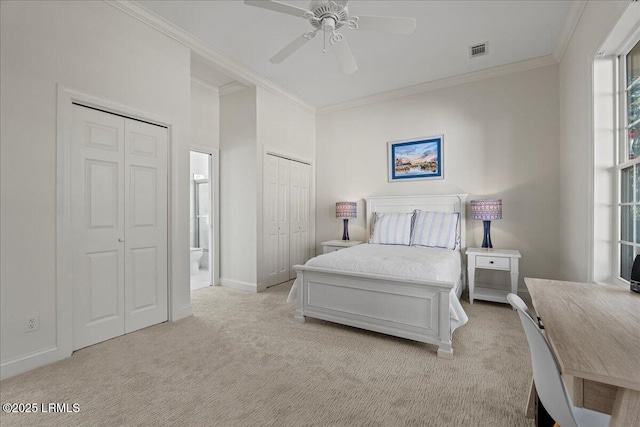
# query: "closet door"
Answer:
x=97 y=214
x=145 y=221
x=285 y=224
x=119 y=225
x=270 y=221
x=283 y=220
x=305 y=189
x=299 y=215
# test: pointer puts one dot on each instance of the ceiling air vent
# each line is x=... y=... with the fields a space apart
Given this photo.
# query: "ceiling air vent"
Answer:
x=479 y=49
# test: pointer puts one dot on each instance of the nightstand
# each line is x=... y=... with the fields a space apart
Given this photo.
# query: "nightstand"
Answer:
x=492 y=259
x=336 y=245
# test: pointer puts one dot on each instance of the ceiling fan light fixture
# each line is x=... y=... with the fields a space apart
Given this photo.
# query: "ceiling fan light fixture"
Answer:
x=328 y=25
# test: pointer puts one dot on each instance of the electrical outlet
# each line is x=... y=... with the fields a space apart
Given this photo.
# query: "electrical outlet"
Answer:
x=31 y=324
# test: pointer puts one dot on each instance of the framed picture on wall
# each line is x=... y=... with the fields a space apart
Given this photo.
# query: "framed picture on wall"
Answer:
x=415 y=159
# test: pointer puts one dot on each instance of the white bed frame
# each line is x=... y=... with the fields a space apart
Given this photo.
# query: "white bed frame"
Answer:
x=413 y=309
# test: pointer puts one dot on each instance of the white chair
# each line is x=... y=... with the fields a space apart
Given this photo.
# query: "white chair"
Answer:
x=546 y=376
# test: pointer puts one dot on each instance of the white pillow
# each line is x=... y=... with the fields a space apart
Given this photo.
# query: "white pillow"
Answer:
x=435 y=229
x=391 y=229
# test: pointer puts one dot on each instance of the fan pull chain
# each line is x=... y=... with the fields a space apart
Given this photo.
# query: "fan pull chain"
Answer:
x=324 y=39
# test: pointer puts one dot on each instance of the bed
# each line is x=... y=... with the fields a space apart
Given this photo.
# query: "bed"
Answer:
x=405 y=291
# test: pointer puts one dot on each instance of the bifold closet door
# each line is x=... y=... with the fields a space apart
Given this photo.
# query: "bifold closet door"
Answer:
x=285 y=210
x=299 y=215
x=119 y=225
x=284 y=266
x=145 y=221
x=270 y=220
x=97 y=219
x=275 y=221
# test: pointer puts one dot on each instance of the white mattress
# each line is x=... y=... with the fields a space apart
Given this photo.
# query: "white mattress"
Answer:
x=410 y=262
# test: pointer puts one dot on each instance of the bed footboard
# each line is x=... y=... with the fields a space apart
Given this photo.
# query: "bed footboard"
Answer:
x=416 y=310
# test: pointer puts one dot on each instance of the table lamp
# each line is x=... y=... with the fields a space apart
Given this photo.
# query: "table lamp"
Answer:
x=486 y=210
x=346 y=210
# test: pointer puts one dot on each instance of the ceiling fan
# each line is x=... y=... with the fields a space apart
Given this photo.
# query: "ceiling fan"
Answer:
x=329 y=16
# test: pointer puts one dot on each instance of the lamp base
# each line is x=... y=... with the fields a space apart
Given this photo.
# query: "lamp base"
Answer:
x=486 y=241
x=345 y=233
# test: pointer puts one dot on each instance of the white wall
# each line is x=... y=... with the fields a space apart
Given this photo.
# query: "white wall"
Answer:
x=199 y=163
x=238 y=181
x=500 y=140
x=205 y=117
x=285 y=127
x=93 y=48
x=576 y=137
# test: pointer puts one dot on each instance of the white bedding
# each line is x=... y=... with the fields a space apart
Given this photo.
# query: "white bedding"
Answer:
x=410 y=262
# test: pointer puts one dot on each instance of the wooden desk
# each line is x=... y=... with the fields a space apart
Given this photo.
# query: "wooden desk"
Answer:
x=595 y=334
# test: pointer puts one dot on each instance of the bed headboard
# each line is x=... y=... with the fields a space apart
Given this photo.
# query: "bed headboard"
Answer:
x=434 y=203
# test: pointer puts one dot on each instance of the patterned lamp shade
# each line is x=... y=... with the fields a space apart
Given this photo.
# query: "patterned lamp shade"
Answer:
x=486 y=209
x=346 y=210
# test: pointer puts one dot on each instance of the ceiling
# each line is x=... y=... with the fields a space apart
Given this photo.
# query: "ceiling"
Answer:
x=515 y=30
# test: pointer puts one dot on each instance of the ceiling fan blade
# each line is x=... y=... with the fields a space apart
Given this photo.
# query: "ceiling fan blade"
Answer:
x=290 y=48
x=387 y=24
x=277 y=6
x=345 y=57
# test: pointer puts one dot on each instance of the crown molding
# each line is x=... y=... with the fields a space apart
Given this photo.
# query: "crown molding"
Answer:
x=204 y=86
x=576 y=8
x=231 y=87
x=225 y=63
x=515 y=67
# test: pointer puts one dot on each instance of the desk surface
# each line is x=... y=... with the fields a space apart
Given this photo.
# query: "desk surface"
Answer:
x=593 y=329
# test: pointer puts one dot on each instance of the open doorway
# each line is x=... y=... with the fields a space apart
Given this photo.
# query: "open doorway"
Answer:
x=201 y=220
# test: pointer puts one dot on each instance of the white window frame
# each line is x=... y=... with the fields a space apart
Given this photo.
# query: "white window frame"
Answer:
x=622 y=147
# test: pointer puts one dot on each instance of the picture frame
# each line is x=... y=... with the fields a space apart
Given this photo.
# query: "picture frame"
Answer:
x=416 y=159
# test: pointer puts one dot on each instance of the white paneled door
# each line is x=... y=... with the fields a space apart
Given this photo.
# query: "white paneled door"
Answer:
x=145 y=221
x=285 y=218
x=270 y=220
x=119 y=225
x=97 y=218
x=299 y=215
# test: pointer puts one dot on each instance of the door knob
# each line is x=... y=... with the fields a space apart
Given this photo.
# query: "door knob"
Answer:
x=121 y=239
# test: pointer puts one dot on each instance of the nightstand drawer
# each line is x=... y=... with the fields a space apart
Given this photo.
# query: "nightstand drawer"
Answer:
x=493 y=262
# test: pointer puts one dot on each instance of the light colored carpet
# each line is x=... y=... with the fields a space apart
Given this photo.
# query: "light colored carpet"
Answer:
x=241 y=360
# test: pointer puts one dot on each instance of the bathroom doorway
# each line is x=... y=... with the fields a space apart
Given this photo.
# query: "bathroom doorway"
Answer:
x=201 y=220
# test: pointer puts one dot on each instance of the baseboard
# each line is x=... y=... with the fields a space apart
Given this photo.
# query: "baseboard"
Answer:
x=183 y=312
x=25 y=363
x=237 y=284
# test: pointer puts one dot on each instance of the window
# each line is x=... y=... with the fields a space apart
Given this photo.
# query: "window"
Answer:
x=629 y=161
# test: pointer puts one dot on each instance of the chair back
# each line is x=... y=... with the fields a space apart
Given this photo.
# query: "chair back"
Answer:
x=546 y=371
